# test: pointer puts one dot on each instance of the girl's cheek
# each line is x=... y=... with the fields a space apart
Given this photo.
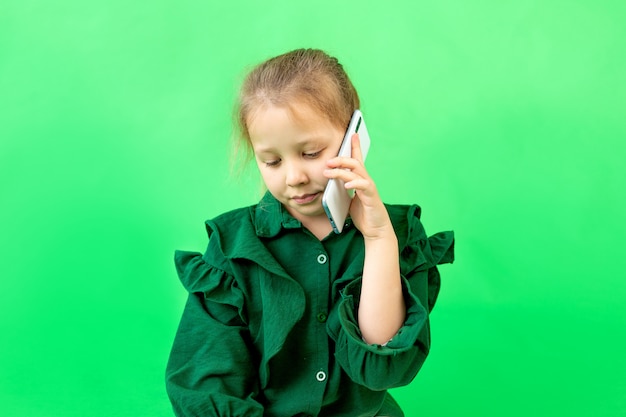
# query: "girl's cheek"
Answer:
x=323 y=165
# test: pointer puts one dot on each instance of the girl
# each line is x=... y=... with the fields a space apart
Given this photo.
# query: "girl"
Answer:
x=285 y=317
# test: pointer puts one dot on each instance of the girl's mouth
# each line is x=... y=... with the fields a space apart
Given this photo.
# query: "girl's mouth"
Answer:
x=305 y=199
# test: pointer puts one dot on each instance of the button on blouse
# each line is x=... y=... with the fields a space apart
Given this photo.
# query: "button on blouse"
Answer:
x=321 y=317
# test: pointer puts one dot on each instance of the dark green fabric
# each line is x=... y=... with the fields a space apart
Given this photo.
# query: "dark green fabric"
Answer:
x=269 y=328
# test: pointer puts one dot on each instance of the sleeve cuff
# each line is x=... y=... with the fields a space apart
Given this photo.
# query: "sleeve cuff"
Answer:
x=405 y=338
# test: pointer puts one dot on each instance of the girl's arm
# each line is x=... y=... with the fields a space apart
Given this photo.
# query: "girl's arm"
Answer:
x=381 y=307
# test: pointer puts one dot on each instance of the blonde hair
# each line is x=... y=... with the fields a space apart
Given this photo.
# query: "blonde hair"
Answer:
x=303 y=76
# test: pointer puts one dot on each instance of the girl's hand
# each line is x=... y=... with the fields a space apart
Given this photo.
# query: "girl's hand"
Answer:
x=367 y=210
x=381 y=308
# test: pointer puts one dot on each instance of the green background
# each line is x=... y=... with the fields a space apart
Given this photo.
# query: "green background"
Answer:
x=504 y=120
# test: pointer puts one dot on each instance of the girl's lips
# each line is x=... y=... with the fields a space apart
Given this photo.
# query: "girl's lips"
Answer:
x=305 y=199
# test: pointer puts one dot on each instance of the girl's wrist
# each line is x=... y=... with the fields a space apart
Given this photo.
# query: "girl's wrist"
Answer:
x=384 y=234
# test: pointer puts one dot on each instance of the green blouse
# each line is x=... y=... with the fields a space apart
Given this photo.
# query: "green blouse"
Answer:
x=270 y=329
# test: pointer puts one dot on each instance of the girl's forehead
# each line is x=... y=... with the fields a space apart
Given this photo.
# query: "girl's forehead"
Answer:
x=298 y=116
x=298 y=112
x=273 y=125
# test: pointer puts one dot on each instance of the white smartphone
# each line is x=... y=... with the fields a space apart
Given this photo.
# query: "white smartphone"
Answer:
x=336 y=199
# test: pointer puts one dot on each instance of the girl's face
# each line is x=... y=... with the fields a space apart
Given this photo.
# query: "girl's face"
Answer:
x=291 y=147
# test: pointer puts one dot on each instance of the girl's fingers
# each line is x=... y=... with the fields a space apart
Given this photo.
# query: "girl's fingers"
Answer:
x=350 y=170
x=342 y=174
x=349 y=162
x=344 y=162
x=356 y=148
x=358 y=184
x=351 y=179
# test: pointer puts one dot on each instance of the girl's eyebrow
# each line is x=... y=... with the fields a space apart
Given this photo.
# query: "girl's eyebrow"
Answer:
x=260 y=149
x=316 y=142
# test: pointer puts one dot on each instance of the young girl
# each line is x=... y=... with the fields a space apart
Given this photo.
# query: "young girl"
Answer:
x=284 y=317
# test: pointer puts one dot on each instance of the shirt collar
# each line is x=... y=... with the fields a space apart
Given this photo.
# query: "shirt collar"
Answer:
x=270 y=217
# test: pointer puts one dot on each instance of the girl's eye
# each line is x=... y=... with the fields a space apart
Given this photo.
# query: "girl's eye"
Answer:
x=312 y=155
x=272 y=163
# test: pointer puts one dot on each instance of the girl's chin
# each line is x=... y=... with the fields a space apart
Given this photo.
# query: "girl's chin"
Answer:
x=308 y=211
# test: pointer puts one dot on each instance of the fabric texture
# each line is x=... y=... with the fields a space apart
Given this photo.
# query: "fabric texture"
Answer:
x=270 y=329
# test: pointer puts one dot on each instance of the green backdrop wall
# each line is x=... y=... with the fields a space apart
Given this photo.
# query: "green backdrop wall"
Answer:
x=504 y=120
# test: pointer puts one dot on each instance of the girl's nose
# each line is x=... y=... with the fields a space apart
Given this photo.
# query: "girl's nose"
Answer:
x=295 y=175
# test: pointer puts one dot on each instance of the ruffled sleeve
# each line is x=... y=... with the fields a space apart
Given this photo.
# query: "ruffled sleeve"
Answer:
x=210 y=369
x=396 y=363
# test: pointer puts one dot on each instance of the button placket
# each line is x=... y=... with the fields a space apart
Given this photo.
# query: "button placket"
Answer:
x=319 y=308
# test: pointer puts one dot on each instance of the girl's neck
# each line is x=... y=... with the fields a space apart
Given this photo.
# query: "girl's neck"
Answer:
x=318 y=225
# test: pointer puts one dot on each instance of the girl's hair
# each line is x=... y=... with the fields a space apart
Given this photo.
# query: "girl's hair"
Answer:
x=302 y=76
